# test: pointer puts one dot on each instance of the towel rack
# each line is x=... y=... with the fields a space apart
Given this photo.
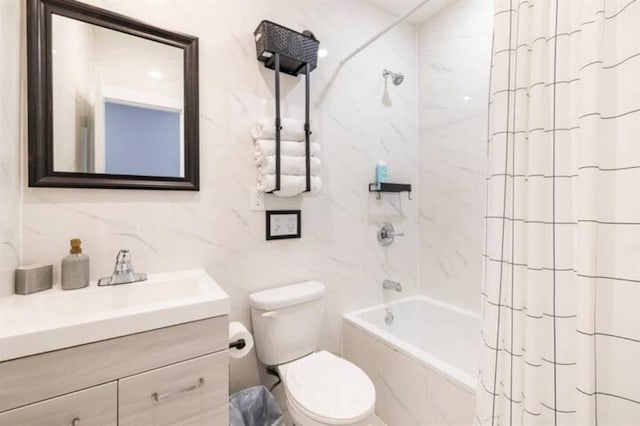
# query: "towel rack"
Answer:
x=285 y=50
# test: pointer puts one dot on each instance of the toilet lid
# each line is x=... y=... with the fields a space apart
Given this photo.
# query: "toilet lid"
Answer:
x=330 y=389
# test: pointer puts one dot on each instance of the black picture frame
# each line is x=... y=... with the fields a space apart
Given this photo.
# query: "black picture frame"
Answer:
x=40 y=98
x=269 y=234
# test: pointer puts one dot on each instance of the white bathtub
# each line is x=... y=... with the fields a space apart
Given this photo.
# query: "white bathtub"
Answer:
x=423 y=365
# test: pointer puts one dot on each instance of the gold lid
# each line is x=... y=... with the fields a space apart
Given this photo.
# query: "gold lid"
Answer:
x=75 y=246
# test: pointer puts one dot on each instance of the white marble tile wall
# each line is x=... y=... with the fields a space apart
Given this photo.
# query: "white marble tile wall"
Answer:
x=354 y=121
x=10 y=219
x=454 y=60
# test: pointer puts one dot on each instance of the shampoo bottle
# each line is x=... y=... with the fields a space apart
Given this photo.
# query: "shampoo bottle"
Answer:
x=75 y=268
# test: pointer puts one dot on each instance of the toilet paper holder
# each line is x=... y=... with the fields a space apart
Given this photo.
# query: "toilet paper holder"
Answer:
x=238 y=344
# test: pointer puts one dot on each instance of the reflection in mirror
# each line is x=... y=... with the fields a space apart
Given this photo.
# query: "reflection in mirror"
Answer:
x=118 y=102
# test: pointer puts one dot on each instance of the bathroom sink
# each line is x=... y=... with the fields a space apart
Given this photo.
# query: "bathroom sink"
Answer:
x=56 y=319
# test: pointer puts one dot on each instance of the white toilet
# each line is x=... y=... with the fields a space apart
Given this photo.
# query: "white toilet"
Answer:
x=320 y=388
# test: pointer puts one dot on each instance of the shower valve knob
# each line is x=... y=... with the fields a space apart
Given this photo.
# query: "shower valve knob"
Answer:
x=387 y=233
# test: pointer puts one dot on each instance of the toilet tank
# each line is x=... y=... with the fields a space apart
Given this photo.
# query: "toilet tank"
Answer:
x=287 y=321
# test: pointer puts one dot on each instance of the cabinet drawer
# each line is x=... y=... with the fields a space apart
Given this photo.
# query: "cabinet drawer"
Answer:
x=36 y=378
x=193 y=392
x=91 y=407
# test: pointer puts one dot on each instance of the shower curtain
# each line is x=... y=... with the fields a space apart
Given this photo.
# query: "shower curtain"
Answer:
x=561 y=297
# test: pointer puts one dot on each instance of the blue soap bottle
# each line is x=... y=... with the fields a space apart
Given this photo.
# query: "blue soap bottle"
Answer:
x=381 y=173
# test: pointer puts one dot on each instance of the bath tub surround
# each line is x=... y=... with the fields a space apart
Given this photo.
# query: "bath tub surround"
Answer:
x=423 y=364
x=452 y=151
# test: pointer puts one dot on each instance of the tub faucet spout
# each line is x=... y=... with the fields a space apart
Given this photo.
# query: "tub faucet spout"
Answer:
x=391 y=285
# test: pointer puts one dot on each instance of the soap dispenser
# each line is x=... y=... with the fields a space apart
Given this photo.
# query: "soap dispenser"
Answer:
x=75 y=268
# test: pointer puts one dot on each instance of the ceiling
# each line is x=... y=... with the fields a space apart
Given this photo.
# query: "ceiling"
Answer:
x=398 y=7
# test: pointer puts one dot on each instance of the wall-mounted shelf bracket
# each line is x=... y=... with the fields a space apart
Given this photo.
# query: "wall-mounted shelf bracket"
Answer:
x=381 y=187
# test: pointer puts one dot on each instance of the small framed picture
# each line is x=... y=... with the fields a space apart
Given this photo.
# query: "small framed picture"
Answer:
x=283 y=224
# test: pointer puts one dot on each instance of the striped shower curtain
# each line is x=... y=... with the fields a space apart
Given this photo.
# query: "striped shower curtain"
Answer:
x=561 y=298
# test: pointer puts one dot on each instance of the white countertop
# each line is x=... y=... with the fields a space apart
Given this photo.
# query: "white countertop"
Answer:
x=56 y=319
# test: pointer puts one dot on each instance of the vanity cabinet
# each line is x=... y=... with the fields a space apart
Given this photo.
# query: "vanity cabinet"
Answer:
x=177 y=375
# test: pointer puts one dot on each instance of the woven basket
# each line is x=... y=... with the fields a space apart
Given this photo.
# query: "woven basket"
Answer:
x=295 y=49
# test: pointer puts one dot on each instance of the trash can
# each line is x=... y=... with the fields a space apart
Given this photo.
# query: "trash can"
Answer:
x=254 y=406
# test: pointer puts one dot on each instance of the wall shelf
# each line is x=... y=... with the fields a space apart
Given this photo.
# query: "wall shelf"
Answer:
x=379 y=188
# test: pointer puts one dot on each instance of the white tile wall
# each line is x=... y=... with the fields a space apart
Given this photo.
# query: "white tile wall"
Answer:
x=356 y=126
x=454 y=61
x=214 y=228
x=10 y=222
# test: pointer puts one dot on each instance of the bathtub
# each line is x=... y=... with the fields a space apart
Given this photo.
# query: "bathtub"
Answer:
x=423 y=363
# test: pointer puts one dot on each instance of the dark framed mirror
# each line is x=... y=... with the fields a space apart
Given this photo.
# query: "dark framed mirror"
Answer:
x=113 y=102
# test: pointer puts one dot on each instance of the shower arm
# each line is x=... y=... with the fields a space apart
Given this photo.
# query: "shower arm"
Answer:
x=343 y=62
x=384 y=31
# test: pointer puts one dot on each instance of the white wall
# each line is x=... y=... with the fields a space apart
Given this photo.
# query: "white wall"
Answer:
x=454 y=61
x=214 y=228
x=134 y=83
x=10 y=220
x=73 y=77
x=142 y=58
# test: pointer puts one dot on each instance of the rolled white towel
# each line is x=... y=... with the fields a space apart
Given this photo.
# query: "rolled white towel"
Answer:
x=296 y=166
x=289 y=185
x=266 y=147
x=292 y=129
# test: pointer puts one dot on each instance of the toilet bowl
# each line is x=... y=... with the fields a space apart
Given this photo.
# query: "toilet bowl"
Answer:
x=324 y=389
x=320 y=388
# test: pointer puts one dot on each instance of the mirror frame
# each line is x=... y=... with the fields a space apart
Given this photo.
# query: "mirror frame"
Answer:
x=40 y=98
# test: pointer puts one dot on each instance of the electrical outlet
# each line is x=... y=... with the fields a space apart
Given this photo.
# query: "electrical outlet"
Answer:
x=257 y=200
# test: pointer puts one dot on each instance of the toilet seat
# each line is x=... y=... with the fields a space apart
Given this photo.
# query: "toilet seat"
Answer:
x=328 y=389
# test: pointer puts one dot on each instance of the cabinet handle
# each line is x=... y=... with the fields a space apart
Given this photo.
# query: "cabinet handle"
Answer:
x=157 y=397
x=75 y=421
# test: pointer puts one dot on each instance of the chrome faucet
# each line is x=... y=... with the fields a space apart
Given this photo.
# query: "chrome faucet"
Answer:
x=123 y=272
x=391 y=285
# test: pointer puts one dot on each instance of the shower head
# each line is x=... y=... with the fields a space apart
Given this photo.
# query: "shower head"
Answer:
x=396 y=77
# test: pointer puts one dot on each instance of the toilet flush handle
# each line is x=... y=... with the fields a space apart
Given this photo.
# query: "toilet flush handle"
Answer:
x=269 y=314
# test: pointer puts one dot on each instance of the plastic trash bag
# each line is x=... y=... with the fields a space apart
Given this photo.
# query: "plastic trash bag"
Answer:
x=254 y=406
